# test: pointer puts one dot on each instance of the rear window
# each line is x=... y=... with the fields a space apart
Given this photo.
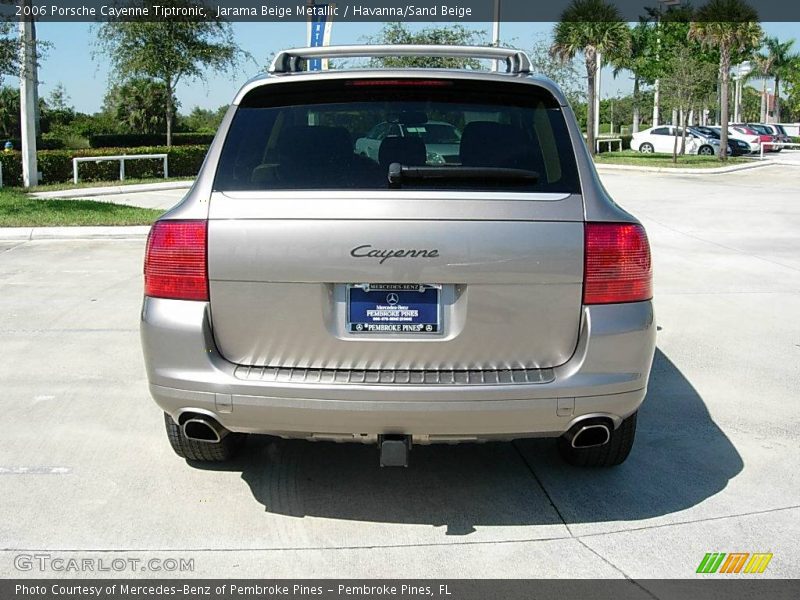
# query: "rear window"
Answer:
x=342 y=134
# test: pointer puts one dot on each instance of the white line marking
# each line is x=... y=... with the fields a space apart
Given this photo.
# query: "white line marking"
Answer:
x=35 y=470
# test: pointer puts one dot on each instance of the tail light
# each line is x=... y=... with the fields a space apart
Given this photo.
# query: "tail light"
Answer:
x=617 y=264
x=175 y=261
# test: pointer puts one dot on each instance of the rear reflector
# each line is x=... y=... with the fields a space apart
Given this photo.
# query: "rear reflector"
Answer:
x=617 y=264
x=175 y=261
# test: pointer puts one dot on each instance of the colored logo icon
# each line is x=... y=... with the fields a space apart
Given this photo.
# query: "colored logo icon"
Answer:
x=735 y=562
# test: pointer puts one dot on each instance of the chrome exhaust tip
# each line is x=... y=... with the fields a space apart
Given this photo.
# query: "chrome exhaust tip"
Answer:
x=203 y=429
x=589 y=435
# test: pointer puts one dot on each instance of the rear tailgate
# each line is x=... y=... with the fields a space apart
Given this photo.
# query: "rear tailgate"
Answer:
x=286 y=247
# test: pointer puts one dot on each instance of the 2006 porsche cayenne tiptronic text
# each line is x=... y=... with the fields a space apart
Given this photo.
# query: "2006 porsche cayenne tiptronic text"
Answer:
x=478 y=287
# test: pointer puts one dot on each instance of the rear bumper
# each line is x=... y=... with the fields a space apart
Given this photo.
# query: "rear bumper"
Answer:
x=607 y=375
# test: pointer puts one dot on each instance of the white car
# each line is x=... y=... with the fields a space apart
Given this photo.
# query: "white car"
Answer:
x=662 y=139
x=442 y=140
x=745 y=134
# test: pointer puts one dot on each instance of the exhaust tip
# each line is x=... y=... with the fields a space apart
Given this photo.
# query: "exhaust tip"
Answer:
x=589 y=436
x=203 y=429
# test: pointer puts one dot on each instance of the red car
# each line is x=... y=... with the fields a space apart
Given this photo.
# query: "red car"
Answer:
x=767 y=140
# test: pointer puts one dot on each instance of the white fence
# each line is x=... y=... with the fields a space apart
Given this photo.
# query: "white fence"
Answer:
x=609 y=141
x=121 y=159
x=781 y=144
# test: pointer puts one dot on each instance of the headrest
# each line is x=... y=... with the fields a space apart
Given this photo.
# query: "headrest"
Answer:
x=488 y=144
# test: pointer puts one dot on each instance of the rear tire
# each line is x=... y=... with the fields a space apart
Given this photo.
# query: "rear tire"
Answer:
x=609 y=455
x=220 y=451
x=706 y=151
x=646 y=148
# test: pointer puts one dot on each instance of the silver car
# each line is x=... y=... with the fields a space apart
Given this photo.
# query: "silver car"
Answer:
x=303 y=291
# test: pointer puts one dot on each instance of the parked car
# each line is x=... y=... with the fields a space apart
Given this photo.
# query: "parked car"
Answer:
x=777 y=132
x=441 y=139
x=305 y=291
x=736 y=147
x=662 y=139
x=765 y=137
x=750 y=137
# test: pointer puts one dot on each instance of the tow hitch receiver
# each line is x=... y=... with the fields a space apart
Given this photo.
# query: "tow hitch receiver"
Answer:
x=394 y=450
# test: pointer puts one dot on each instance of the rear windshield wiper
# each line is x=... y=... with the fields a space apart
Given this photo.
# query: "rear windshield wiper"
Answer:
x=398 y=173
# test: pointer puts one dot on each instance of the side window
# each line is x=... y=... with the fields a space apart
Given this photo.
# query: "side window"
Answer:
x=661 y=131
x=381 y=131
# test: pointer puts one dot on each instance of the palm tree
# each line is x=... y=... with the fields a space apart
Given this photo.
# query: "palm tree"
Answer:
x=764 y=62
x=590 y=27
x=730 y=26
x=782 y=61
x=635 y=61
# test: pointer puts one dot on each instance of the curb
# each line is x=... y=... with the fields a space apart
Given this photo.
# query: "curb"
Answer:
x=680 y=171
x=113 y=190
x=27 y=234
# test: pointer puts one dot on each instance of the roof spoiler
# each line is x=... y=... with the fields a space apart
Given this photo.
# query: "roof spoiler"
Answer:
x=294 y=60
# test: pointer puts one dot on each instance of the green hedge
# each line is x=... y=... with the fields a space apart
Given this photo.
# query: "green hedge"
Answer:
x=139 y=140
x=46 y=143
x=56 y=165
x=12 y=168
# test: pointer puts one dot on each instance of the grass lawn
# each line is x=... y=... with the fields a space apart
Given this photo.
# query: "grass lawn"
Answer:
x=56 y=187
x=19 y=210
x=629 y=157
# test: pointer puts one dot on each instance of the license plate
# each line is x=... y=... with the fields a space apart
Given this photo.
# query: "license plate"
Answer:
x=393 y=308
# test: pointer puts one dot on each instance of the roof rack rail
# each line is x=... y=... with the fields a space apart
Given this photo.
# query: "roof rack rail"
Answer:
x=293 y=61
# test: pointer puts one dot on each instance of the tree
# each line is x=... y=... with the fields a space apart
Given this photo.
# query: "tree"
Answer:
x=399 y=33
x=202 y=120
x=637 y=61
x=792 y=83
x=688 y=80
x=9 y=112
x=782 y=62
x=59 y=99
x=657 y=37
x=751 y=105
x=564 y=73
x=589 y=27
x=730 y=26
x=764 y=62
x=169 y=51
x=137 y=105
x=8 y=50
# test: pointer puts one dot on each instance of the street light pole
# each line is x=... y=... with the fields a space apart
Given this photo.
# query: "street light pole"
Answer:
x=27 y=91
x=496 y=33
x=597 y=88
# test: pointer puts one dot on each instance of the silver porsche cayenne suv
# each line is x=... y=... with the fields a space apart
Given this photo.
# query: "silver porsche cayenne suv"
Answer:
x=303 y=289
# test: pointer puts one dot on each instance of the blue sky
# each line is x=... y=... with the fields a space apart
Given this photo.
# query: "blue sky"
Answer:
x=70 y=61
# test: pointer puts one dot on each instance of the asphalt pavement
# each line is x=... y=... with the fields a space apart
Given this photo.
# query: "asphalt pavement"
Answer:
x=87 y=473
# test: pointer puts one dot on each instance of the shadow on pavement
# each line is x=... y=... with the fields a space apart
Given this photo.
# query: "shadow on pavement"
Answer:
x=680 y=458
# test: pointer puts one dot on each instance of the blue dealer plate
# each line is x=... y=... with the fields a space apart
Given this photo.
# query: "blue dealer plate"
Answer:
x=393 y=308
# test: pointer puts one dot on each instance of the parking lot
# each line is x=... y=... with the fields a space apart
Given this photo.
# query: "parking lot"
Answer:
x=86 y=470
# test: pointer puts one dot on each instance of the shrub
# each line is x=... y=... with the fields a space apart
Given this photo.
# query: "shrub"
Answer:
x=110 y=140
x=12 y=168
x=56 y=165
x=47 y=142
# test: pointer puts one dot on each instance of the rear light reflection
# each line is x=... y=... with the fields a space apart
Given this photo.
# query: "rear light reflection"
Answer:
x=399 y=83
x=617 y=264
x=175 y=261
